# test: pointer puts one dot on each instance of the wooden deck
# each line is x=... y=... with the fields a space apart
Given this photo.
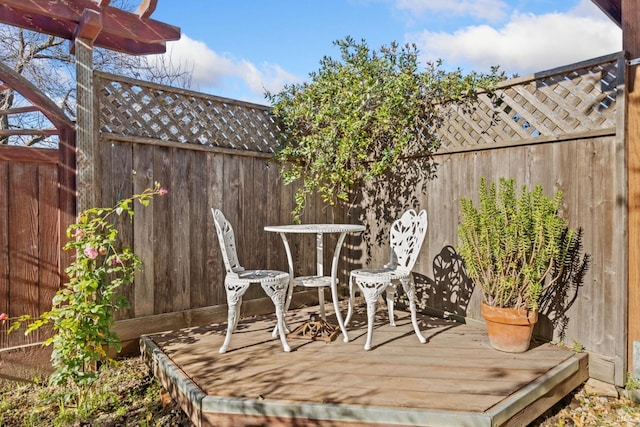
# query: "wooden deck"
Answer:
x=454 y=379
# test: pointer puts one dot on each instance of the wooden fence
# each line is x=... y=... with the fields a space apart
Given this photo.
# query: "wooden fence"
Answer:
x=209 y=152
x=562 y=128
x=29 y=236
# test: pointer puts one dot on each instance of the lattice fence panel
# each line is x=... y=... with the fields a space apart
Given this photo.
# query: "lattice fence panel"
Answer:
x=137 y=108
x=570 y=100
x=573 y=100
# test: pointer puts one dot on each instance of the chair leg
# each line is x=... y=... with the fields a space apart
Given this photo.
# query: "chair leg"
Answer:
x=277 y=292
x=281 y=329
x=391 y=294
x=238 y=310
x=410 y=289
x=371 y=291
x=234 y=291
x=289 y=296
x=231 y=320
x=351 y=301
x=371 y=314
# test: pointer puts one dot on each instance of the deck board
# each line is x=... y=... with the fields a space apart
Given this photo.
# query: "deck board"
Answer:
x=455 y=377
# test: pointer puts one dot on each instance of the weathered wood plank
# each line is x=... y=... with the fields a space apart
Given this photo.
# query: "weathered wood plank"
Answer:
x=23 y=244
x=197 y=284
x=119 y=158
x=276 y=200
x=145 y=242
x=180 y=217
x=215 y=267
x=5 y=304
x=252 y=204
x=163 y=259
x=67 y=194
x=48 y=239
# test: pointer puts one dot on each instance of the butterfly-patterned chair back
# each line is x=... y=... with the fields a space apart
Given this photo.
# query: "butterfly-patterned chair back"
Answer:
x=407 y=236
x=227 y=241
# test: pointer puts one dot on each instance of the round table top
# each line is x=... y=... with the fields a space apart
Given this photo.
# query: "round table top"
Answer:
x=315 y=228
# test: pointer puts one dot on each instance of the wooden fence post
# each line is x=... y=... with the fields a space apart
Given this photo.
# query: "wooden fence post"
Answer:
x=631 y=45
x=88 y=160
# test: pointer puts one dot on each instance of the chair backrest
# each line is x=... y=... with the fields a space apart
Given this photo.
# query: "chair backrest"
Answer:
x=227 y=242
x=407 y=235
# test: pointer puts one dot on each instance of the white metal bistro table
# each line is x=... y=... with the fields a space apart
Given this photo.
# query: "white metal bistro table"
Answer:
x=321 y=280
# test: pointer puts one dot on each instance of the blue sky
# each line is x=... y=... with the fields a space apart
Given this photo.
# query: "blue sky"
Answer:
x=237 y=49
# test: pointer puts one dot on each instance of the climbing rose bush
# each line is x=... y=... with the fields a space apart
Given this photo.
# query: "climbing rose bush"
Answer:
x=83 y=309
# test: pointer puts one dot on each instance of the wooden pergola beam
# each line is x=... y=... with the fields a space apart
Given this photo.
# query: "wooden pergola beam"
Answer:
x=146 y=8
x=27 y=89
x=88 y=28
x=611 y=8
x=132 y=33
x=90 y=25
x=19 y=110
x=34 y=132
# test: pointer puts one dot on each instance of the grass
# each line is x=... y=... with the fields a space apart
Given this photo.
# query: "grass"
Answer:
x=125 y=395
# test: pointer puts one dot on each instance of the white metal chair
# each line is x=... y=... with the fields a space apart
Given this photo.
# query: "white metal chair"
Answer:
x=237 y=280
x=406 y=237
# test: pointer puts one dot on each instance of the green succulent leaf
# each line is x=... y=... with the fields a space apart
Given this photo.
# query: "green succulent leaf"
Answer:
x=512 y=240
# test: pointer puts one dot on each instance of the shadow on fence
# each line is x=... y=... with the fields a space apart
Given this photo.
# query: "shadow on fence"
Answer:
x=558 y=298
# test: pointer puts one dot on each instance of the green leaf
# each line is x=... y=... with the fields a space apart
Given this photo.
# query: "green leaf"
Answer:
x=360 y=115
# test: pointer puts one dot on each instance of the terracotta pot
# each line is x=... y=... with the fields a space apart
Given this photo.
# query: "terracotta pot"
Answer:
x=509 y=329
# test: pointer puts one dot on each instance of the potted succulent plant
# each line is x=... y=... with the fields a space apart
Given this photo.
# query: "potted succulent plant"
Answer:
x=514 y=246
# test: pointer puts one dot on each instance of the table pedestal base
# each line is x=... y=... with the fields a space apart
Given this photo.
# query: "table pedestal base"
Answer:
x=315 y=329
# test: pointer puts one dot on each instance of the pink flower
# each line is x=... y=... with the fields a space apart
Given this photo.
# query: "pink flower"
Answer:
x=90 y=252
x=3 y=317
x=163 y=191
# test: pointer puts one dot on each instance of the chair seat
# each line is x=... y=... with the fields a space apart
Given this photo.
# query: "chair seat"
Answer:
x=262 y=275
x=377 y=274
x=312 y=281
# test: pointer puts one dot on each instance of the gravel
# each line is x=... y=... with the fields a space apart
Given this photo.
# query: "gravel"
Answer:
x=592 y=404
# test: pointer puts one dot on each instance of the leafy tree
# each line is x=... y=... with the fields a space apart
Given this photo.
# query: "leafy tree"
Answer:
x=360 y=115
x=45 y=61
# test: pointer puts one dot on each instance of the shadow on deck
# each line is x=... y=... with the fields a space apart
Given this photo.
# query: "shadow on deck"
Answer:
x=454 y=379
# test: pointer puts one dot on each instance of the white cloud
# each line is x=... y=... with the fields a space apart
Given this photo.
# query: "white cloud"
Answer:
x=527 y=43
x=214 y=72
x=489 y=10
